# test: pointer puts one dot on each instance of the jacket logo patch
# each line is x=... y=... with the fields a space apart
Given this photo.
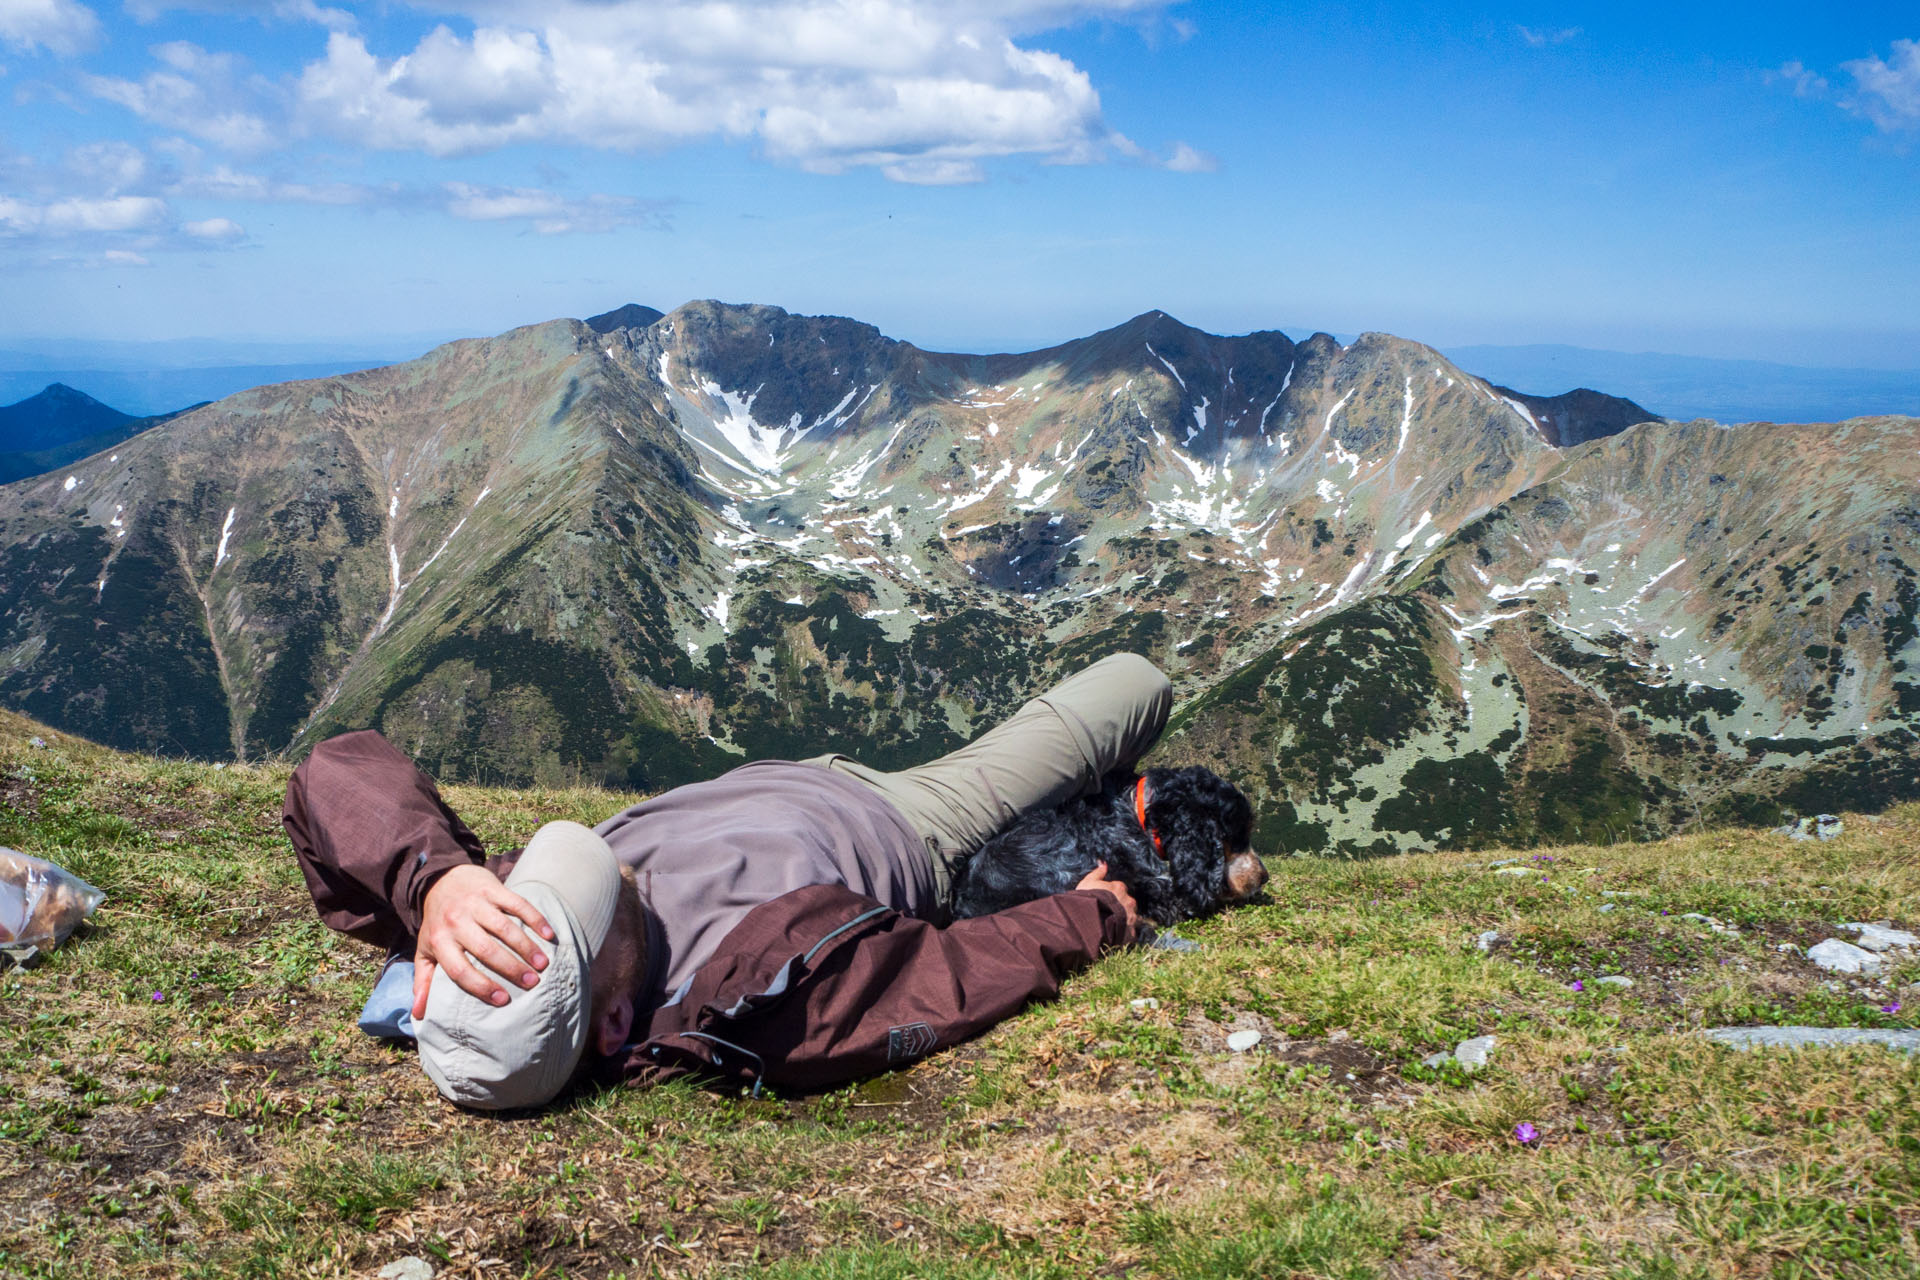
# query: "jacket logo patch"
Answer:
x=914 y=1040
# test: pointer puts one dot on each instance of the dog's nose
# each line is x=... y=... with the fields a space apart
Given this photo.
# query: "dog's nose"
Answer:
x=1245 y=875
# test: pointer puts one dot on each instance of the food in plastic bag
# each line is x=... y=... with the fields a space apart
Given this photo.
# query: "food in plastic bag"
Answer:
x=40 y=904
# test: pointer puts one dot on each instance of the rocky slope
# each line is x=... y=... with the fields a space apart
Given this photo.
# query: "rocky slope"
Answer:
x=641 y=547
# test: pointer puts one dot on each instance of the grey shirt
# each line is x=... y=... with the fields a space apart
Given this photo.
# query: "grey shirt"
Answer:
x=708 y=853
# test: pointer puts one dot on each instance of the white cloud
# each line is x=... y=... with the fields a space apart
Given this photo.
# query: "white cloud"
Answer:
x=935 y=171
x=288 y=10
x=1887 y=91
x=1186 y=159
x=493 y=79
x=549 y=212
x=111 y=167
x=223 y=182
x=199 y=93
x=77 y=215
x=125 y=258
x=58 y=26
x=1806 y=84
x=1540 y=39
x=215 y=230
x=924 y=93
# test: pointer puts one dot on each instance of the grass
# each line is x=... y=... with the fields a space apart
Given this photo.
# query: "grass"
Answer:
x=183 y=1091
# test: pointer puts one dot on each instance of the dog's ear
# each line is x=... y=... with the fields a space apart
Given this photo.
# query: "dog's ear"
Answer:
x=1193 y=842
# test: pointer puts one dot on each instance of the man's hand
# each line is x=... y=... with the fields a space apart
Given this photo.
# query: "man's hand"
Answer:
x=468 y=912
x=1097 y=879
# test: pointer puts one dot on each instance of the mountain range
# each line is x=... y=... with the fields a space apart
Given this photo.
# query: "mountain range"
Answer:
x=1406 y=607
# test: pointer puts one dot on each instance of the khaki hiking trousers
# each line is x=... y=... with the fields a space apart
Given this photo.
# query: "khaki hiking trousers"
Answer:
x=1058 y=746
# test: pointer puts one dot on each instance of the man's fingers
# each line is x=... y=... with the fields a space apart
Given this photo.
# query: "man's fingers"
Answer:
x=476 y=982
x=515 y=905
x=422 y=983
x=485 y=947
x=502 y=924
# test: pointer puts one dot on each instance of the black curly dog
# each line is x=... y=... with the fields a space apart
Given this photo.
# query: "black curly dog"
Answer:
x=1178 y=839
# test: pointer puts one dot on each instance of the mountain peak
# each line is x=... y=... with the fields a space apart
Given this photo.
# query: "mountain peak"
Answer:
x=631 y=316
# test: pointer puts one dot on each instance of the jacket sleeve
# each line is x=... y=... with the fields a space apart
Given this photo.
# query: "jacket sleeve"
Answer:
x=372 y=835
x=898 y=988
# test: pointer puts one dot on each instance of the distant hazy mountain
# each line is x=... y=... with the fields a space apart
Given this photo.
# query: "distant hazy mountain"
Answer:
x=1408 y=608
x=58 y=426
x=162 y=390
x=55 y=416
x=1685 y=387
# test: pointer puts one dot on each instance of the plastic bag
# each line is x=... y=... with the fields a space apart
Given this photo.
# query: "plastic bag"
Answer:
x=40 y=904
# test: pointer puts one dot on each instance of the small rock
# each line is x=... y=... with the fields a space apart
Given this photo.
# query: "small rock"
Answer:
x=1514 y=871
x=1146 y=1002
x=1718 y=926
x=1614 y=980
x=1618 y=893
x=1787 y=948
x=36 y=741
x=1437 y=1060
x=1827 y=826
x=1472 y=1054
x=408 y=1268
x=1339 y=1037
x=1836 y=956
x=1607 y=906
x=1504 y=862
x=1809 y=1037
x=1241 y=1041
x=1486 y=940
x=1878 y=937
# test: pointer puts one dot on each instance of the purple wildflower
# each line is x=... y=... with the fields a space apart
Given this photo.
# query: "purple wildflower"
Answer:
x=1890 y=1008
x=1577 y=985
x=1525 y=1133
x=158 y=996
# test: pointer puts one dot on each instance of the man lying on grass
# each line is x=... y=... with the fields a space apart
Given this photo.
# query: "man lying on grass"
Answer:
x=784 y=923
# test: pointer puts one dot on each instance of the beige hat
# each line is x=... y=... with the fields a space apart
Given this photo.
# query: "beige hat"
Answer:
x=522 y=1053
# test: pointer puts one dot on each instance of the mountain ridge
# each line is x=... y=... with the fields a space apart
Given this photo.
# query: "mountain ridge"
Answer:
x=646 y=550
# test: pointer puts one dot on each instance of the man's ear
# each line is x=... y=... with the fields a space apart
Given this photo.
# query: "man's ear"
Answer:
x=611 y=1027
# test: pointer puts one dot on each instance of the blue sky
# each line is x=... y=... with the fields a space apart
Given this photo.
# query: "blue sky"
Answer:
x=1709 y=180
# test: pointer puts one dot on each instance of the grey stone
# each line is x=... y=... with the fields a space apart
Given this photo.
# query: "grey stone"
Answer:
x=1241 y=1041
x=1836 y=956
x=1486 y=940
x=1823 y=826
x=1514 y=871
x=1504 y=862
x=408 y=1268
x=1810 y=1037
x=1614 y=980
x=1607 y=906
x=1146 y=1002
x=36 y=741
x=1718 y=926
x=1473 y=1053
x=1437 y=1060
x=1878 y=937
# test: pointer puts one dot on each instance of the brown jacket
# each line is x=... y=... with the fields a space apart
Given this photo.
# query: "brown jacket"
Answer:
x=812 y=987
